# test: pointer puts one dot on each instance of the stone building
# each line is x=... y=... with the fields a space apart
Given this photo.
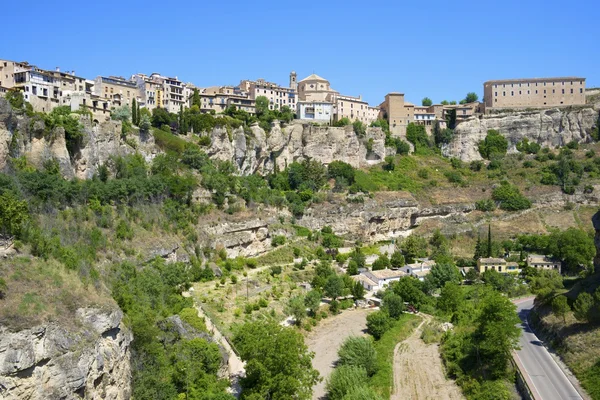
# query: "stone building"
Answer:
x=278 y=96
x=534 y=93
x=119 y=91
x=538 y=261
x=218 y=98
x=397 y=112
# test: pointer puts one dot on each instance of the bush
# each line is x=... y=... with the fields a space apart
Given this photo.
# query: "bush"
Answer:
x=378 y=323
x=359 y=128
x=362 y=393
x=343 y=380
x=494 y=144
x=190 y=315
x=359 y=352
x=454 y=177
x=476 y=165
x=393 y=305
x=485 y=205
x=381 y=263
x=510 y=197
x=278 y=240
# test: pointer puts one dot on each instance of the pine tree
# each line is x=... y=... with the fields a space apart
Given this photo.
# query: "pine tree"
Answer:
x=134 y=111
x=489 y=243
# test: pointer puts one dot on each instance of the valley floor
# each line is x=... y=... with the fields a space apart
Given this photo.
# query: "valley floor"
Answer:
x=418 y=370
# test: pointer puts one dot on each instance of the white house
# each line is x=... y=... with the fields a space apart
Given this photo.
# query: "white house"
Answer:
x=419 y=269
x=320 y=111
x=376 y=280
x=543 y=262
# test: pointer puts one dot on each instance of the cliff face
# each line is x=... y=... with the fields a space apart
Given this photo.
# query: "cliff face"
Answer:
x=257 y=151
x=549 y=128
x=52 y=362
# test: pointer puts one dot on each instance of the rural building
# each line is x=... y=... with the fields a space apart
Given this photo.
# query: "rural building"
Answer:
x=377 y=280
x=534 y=93
x=498 y=264
x=539 y=261
x=420 y=269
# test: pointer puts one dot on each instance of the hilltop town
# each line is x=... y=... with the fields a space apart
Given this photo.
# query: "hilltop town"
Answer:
x=311 y=99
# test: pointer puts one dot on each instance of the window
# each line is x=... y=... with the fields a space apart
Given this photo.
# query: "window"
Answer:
x=512 y=93
x=563 y=91
x=553 y=91
x=528 y=92
x=519 y=92
x=544 y=91
x=503 y=93
x=536 y=91
x=581 y=90
x=495 y=93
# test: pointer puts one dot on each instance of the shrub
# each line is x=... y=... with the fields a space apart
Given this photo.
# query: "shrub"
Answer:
x=485 y=205
x=456 y=163
x=378 y=323
x=476 y=165
x=359 y=128
x=393 y=305
x=381 y=263
x=423 y=173
x=362 y=393
x=124 y=231
x=190 y=315
x=343 y=380
x=454 y=177
x=494 y=144
x=359 y=352
x=276 y=270
x=583 y=307
x=278 y=240
x=510 y=197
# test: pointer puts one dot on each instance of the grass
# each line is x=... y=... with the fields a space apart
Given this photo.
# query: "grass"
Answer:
x=168 y=141
x=383 y=381
x=432 y=332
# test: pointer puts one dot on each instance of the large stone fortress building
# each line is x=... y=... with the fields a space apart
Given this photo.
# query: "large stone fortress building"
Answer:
x=534 y=93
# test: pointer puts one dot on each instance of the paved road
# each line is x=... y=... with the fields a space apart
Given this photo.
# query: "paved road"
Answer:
x=548 y=380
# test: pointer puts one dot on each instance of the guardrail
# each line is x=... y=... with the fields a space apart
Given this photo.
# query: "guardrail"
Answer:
x=522 y=383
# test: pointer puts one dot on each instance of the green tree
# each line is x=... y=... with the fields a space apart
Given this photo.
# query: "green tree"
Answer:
x=343 y=380
x=352 y=268
x=451 y=298
x=15 y=98
x=196 y=98
x=297 y=308
x=393 y=305
x=496 y=334
x=471 y=97
x=362 y=393
x=357 y=290
x=278 y=363
x=122 y=113
x=397 y=260
x=13 y=213
x=312 y=301
x=583 y=306
x=334 y=286
x=414 y=247
x=560 y=307
x=426 y=102
x=359 y=352
x=440 y=274
x=574 y=247
x=382 y=262
x=417 y=135
x=134 y=110
x=262 y=106
x=494 y=145
x=510 y=197
x=378 y=323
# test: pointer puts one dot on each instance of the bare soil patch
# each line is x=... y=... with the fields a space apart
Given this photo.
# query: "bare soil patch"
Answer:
x=418 y=371
x=326 y=339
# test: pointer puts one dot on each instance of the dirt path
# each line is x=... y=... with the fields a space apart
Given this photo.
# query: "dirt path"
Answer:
x=327 y=338
x=418 y=371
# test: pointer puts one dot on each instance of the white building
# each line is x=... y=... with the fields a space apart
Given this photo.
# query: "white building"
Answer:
x=539 y=261
x=419 y=269
x=278 y=96
x=377 y=280
x=319 y=111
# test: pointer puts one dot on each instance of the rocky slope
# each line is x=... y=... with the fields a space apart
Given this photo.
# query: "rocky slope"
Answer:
x=54 y=362
x=549 y=128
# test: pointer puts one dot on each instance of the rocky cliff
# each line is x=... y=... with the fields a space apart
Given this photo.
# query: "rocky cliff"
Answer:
x=549 y=128
x=250 y=150
x=54 y=362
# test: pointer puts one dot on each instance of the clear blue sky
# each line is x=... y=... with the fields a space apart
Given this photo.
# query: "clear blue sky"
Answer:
x=440 y=49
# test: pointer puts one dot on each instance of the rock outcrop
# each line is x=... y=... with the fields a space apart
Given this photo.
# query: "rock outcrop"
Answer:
x=54 y=362
x=549 y=128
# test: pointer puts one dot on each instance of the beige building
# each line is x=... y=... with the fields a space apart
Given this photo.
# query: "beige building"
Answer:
x=219 y=98
x=278 y=96
x=543 y=262
x=119 y=91
x=534 y=93
x=317 y=90
x=397 y=112
x=498 y=264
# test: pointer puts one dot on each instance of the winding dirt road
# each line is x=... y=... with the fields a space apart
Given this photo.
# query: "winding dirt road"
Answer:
x=418 y=370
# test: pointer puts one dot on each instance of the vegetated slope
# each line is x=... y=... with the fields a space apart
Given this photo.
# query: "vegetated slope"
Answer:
x=575 y=337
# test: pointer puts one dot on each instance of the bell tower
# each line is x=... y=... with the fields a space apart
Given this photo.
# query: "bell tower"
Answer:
x=293 y=81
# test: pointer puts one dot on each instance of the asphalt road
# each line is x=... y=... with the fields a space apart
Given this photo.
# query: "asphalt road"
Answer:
x=548 y=379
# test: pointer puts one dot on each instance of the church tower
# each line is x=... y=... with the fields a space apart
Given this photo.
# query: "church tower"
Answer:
x=293 y=81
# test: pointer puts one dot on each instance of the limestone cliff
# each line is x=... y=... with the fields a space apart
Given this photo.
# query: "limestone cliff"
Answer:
x=256 y=151
x=54 y=362
x=549 y=128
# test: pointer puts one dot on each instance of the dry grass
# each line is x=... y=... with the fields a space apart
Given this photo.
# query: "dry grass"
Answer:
x=40 y=291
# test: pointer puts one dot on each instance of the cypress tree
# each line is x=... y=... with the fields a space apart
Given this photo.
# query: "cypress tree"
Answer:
x=489 y=243
x=196 y=98
x=478 y=252
x=138 y=115
x=134 y=112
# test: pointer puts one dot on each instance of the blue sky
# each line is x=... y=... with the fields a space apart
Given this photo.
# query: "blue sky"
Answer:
x=439 y=49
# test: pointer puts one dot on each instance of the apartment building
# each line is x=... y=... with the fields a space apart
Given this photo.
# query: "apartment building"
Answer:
x=149 y=88
x=534 y=93
x=320 y=111
x=218 y=98
x=119 y=91
x=354 y=108
x=278 y=96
